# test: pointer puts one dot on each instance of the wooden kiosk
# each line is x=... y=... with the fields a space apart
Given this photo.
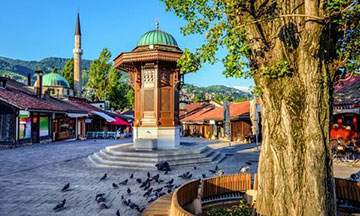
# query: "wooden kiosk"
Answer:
x=155 y=77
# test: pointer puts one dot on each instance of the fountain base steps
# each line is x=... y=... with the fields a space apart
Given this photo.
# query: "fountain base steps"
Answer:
x=126 y=156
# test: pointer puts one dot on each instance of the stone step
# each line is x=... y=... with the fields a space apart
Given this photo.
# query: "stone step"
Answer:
x=118 y=157
x=178 y=160
x=110 y=156
x=120 y=151
x=219 y=158
x=99 y=162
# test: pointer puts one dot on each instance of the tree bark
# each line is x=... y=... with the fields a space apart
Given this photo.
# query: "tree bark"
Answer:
x=295 y=167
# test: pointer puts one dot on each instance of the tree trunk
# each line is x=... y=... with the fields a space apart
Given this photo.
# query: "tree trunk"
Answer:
x=295 y=168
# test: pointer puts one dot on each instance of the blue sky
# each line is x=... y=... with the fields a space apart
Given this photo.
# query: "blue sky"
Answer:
x=35 y=29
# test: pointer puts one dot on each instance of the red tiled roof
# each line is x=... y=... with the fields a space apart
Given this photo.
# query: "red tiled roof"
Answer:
x=347 y=83
x=197 y=116
x=82 y=104
x=23 y=97
x=236 y=110
x=192 y=106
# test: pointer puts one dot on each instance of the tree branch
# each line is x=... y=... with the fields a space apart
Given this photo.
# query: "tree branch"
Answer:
x=281 y=16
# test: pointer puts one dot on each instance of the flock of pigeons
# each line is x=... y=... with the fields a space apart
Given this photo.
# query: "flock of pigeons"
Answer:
x=153 y=188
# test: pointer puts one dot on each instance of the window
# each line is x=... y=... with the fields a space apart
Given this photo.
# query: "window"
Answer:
x=25 y=125
x=44 y=126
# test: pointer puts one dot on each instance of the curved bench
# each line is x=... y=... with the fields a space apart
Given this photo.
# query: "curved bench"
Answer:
x=229 y=187
x=182 y=196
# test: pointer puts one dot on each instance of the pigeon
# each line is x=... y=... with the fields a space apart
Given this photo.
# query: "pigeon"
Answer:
x=169 y=186
x=118 y=213
x=203 y=175
x=138 y=180
x=99 y=195
x=169 y=191
x=244 y=169
x=125 y=202
x=103 y=205
x=152 y=199
x=158 y=189
x=148 y=174
x=159 y=181
x=100 y=199
x=131 y=176
x=147 y=187
x=162 y=194
x=220 y=172
x=140 y=210
x=115 y=185
x=66 y=187
x=156 y=177
x=147 y=194
x=186 y=175
x=170 y=182
x=214 y=170
x=104 y=177
x=132 y=205
x=166 y=172
x=195 y=167
x=60 y=206
x=128 y=191
x=354 y=176
x=124 y=182
x=122 y=197
x=144 y=184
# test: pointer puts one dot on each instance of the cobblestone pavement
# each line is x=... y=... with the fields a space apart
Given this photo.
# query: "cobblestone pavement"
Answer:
x=29 y=157
x=31 y=178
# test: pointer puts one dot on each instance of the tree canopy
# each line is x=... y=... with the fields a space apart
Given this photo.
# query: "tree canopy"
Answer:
x=68 y=72
x=105 y=82
x=225 y=24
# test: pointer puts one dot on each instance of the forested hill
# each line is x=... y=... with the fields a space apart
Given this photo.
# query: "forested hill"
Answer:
x=22 y=68
x=215 y=92
x=18 y=69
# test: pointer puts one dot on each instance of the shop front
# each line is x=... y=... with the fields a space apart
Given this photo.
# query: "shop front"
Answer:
x=64 y=127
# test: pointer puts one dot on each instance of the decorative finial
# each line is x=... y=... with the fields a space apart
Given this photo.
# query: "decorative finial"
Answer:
x=157 y=23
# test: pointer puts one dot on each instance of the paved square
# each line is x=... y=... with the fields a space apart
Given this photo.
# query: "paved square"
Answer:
x=31 y=178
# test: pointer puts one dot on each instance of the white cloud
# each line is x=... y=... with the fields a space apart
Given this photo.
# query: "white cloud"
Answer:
x=242 y=88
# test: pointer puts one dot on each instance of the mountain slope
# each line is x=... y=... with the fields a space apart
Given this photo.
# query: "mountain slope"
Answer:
x=18 y=69
x=218 y=93
x=47 y=64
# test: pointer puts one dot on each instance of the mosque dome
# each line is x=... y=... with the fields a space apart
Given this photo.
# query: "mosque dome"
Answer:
x=54 y=79
x=157 y=37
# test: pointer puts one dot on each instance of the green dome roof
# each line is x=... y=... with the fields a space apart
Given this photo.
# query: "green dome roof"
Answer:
x=157 y=37
x=54 y=79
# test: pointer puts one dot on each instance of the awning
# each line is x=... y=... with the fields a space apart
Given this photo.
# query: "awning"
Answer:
x=76 y=115
x=104 y=116
x=341 y=111
x=118 y=121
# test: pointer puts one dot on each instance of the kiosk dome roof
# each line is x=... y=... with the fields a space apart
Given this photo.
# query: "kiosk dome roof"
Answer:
x=157 y=37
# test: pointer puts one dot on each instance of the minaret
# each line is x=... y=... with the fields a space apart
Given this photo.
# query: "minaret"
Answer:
x=77 y=58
